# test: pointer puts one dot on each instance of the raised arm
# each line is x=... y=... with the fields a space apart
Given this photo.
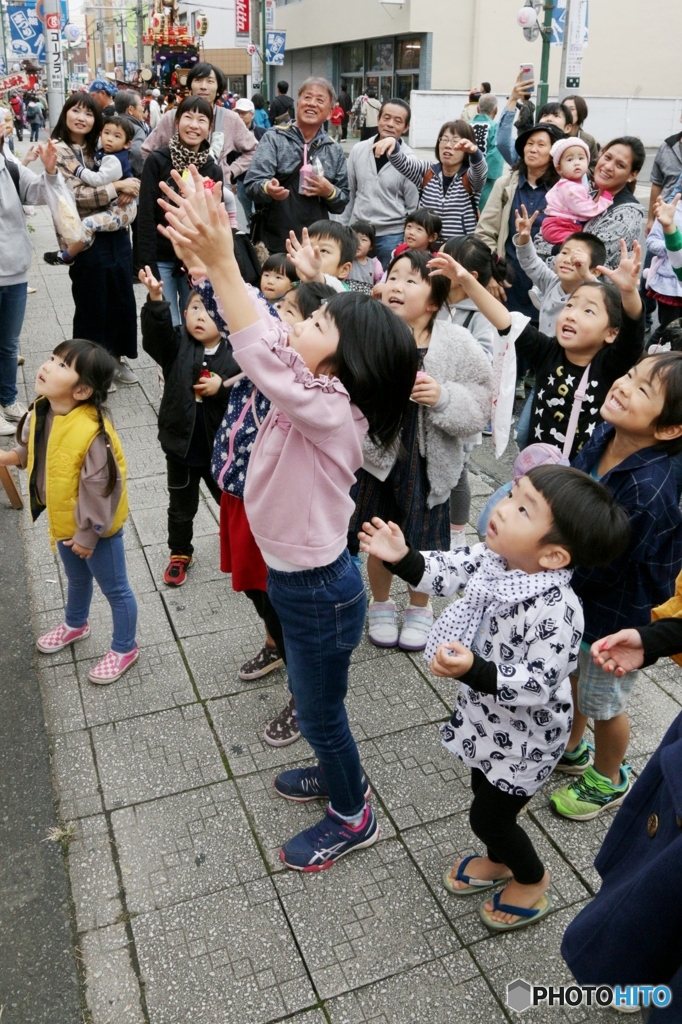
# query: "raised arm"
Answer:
x=109 y=172
x=409 y=166
x=493 y=310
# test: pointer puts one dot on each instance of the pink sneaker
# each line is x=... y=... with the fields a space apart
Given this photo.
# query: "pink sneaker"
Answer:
x=61 y=637
x=112 y=666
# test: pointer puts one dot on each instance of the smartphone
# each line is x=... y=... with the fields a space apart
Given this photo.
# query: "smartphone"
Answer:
x=528 y=75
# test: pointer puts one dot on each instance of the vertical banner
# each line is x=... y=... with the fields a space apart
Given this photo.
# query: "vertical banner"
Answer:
x=275 y=44
x=53 y=52
x=575 y=33
x=269 y=15
x=242 y=15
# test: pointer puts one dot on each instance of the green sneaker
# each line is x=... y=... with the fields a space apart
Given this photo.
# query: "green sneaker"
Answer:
x=589 y=795
x=578 y=760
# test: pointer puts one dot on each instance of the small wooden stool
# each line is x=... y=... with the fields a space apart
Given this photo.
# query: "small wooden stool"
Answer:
x=10 y=488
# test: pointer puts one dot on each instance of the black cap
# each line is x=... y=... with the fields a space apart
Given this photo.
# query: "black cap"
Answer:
x=555 y=133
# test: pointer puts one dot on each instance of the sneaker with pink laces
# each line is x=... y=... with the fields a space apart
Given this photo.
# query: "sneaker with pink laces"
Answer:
x=61 y=636
x=112 y=666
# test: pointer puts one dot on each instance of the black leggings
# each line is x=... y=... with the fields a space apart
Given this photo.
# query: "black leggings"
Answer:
x=263 y=606
x=493 y=819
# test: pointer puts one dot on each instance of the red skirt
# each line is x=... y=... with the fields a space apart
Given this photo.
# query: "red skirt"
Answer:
x=239 y=553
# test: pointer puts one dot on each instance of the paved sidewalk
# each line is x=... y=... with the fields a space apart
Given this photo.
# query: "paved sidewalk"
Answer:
x=183 y=912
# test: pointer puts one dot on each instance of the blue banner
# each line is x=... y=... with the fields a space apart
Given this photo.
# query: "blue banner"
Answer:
x=275 y=43
x=26 y=29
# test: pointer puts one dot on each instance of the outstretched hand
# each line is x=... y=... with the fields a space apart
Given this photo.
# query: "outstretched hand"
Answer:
x=626 y=275
x=451 y=660
x=619 y=653
x=524 y=223
x=305 y=257
x=384 y=147
x=441 y=263
x=48 y=155
x=198 y=224
x=383 y=540
x=154 y=287
x=665 y=213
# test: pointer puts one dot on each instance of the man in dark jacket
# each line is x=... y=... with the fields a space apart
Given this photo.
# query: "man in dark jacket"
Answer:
x=129 y=105
x=281 y=105
x=345 y=102
x=196 y=363
x=273 y=178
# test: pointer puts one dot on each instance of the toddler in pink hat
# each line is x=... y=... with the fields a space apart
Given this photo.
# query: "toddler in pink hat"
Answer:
x=569 y=203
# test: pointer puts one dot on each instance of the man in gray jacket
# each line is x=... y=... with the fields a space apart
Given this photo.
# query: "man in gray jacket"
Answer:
x=273 y=179
x=379 y=193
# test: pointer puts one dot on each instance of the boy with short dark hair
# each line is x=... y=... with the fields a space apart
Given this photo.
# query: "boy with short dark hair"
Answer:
x=325 y=253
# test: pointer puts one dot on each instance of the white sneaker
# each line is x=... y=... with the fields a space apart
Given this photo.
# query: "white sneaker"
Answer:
x=7 y=428
x=123 y=374
x=417 y=623
x=383 y=623
x=14 y=411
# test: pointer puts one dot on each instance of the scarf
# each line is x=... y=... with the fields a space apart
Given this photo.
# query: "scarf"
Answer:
x=182 y=156
x=493 y=589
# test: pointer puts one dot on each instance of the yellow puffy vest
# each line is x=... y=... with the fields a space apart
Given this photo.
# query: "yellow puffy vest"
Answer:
x=67 y=446
x=672 y=609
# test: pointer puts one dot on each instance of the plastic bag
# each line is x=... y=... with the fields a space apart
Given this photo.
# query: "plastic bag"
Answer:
x=504 y=382
x=62 y=206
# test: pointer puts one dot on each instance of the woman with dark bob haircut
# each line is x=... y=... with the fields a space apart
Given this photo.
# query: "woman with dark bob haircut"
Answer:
x=101 y=276
x=452 y=186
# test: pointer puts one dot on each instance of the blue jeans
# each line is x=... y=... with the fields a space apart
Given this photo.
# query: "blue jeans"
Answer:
x=12 y=309
x=107 y=565
x=174 y=287
x=322 y=612
x=384 y=246
x=523 y=423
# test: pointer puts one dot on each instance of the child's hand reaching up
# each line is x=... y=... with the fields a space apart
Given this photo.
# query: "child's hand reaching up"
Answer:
x=305 y=257
x=626 y=278
x=451 y=660
x=441 y=263
x=665 y=214
x=383 y=540
x=198 y=224
x=154 y=287
x=524 y=223
x=581 y=261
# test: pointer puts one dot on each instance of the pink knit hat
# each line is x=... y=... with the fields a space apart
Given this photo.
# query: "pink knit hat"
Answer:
x=559 y=148
x=537 y=455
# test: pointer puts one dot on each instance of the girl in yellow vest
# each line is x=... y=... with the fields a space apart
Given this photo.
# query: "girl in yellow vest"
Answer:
x=77 y=473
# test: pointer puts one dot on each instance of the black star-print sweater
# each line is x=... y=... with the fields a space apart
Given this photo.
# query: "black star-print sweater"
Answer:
x=557 y=378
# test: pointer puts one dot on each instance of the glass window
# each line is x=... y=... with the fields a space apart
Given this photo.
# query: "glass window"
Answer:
x=408 y=52
x=353 y=85
x=381 y=55
x=352 y=58
x=406 y=83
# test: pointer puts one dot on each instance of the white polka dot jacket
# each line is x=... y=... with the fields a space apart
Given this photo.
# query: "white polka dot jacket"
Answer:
x=513 y=711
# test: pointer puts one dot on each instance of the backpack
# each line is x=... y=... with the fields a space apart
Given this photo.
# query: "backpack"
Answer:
x=236 y=436
x=466 y=184
x=31 y=112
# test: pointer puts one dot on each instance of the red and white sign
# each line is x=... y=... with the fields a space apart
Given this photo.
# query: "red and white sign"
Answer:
x=242 y=13
x=52 y=22
x=12 y=81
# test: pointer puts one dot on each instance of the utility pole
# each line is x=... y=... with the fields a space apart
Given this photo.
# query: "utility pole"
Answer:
x=4 y=41
x=102 y=49
x=546 y=30
x=264 y=84
x=140 y=30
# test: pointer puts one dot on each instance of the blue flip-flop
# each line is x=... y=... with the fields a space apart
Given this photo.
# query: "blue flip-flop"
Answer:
x=474 y=884
x=528 y=915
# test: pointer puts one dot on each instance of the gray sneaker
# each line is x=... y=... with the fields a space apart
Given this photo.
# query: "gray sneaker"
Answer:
x=14 y=412
x=123 y=374
x=7 y=428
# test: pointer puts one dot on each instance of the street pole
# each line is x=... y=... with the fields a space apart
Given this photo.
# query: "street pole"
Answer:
x=140 y=30
x=543 y=86
x=52 y=31
x=264 y=89
x=563 y=91
x=4 y=42
x=102 y=50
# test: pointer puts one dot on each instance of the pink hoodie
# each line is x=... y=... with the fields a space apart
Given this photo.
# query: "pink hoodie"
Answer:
x=572 y=199
x=303 y=464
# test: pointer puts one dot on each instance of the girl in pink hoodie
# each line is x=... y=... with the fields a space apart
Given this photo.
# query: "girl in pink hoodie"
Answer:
x=346 y=372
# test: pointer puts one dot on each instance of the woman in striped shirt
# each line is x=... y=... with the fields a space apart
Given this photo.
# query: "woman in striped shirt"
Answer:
x=452 y=186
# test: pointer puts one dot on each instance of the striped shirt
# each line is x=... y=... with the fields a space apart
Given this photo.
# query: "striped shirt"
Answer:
x=456 y=207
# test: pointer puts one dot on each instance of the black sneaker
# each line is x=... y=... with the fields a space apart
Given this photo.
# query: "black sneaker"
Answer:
x=305 y=784
x=267 y=660
x=56 y=259
x=283 y=729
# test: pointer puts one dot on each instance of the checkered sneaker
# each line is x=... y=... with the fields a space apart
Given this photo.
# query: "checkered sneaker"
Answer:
x=112 y=666
x=60 y=637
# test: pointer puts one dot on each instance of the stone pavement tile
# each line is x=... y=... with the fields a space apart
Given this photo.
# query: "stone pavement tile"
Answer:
x=446 y=991
x=276 y=820
x=668 y=676
x=137 y=414
x=153 y=627
x=389 y=695
x=240 y=720
x=94 y=885
x=533 y=954
x=184 y=847
x=206 y=567
x=579 y=841
x=149 y=757
x=651 y=711
x=75 y=775
x=417 y=779
x=61 y=699
x=143 y=454
x=227 y=958
x=152 y=523
x=151 y=492
x=214 y=660
x=140 y=579
x=438 y=845
x=158 y=680
x=46 y=586
x=211 y=608
x=308 y=1017
x=370 y=916
x=112 y=990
